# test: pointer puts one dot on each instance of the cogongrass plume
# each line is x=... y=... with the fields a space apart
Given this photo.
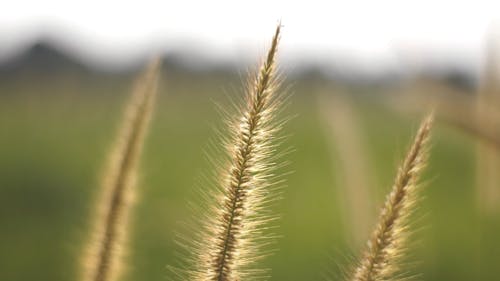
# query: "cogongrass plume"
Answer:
x=232 y=230
x=103 y=259
x=387 y=246
x=353 y=161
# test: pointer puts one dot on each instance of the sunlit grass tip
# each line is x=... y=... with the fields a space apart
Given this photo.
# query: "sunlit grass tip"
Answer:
x=233 y=228
x=388 y=244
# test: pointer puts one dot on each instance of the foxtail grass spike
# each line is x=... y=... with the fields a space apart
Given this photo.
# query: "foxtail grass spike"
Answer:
x=103 y=260
x=233 y=229
x=387 y=246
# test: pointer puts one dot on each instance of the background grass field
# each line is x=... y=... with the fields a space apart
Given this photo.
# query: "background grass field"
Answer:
x=56 y=129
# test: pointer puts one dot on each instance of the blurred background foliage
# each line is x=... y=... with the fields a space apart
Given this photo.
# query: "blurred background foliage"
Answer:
x=58 y=120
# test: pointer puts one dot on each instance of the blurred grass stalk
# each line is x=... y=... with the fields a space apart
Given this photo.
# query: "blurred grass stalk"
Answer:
x=488 y=157
x=356 y=182
x=103 y=259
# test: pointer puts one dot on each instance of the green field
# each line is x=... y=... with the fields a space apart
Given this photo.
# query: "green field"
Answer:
x=55 y=132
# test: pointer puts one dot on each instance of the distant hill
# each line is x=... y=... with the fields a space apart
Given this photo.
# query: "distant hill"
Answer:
x=41 y=58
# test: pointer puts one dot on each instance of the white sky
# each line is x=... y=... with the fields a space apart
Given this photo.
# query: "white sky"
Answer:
x=371 y=32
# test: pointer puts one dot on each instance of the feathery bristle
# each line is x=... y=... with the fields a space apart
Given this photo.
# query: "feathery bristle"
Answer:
x=387 y=244
x=233 y=228
x=103 y=259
